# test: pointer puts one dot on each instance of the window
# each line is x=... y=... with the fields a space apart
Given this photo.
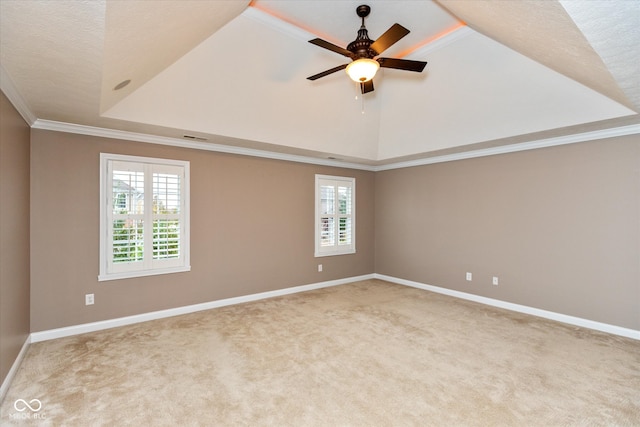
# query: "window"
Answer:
x=335 y=215
x=144 y=216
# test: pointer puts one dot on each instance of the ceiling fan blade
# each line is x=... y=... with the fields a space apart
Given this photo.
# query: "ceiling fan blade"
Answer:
x=332 y=47
x=366 y=87
x=402 y=64
x=391 y=36
x=327 y=72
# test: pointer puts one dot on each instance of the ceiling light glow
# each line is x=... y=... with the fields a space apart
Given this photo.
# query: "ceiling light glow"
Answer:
x=362 y=70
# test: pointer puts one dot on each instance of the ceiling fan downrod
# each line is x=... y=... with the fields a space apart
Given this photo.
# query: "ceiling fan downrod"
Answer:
x=364 y=52
x=361 y=46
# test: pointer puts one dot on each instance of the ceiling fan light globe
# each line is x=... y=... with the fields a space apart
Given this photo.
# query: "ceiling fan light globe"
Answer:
x=362 y=70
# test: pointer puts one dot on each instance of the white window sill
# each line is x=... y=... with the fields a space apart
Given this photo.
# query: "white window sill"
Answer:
x=142 y=273
x=334 y=253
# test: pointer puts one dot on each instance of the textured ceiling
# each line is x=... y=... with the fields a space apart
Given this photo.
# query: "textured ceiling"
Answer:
x=545 y=34
x=613 y=30
x=235 y=73
x=142 y=39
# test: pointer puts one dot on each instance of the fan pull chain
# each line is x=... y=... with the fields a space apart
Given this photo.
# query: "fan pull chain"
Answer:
x=358 y=89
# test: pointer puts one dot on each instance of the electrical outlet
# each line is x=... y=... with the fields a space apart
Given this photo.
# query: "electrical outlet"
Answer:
x=319 y=267
x=88 y=299
x=495 y=280
x=469 y=277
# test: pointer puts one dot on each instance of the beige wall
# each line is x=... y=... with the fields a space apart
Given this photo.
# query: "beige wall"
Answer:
x=559 y=227
x=251 y=231
x=14 y=234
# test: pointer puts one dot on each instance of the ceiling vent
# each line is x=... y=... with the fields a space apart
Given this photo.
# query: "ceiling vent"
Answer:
x=194 y=138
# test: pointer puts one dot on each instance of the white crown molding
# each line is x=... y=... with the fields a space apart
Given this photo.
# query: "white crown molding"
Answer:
x=206 y=146
x=512 y=148
x=441 y=42
x=277 y=24
x=176 y=142
x=9 y=88
x=558 y=317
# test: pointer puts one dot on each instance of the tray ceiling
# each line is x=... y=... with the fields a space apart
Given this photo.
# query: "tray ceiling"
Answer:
x=234 y=73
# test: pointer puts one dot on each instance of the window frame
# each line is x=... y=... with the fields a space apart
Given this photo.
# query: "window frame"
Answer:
x=149 y=266
x=337 y=248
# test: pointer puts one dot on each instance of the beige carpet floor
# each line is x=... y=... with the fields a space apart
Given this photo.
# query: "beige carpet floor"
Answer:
x=364 y=354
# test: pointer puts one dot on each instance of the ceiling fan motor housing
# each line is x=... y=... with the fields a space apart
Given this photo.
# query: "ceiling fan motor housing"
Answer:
x=360 y=47
x=364 y=52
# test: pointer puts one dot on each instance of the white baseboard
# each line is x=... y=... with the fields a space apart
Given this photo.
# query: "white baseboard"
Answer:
x=14 y=368
x=107 y=324
x=122 y=321
x=577 y=321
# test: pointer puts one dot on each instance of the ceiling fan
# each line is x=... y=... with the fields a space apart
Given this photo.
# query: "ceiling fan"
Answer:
x=364 y=54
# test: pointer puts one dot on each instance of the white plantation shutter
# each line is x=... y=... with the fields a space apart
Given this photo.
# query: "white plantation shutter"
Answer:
x=127 y=212
x=167 y=207
x=335 y=215
x=345 y=219
x=144 y=224
x=327 y=215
